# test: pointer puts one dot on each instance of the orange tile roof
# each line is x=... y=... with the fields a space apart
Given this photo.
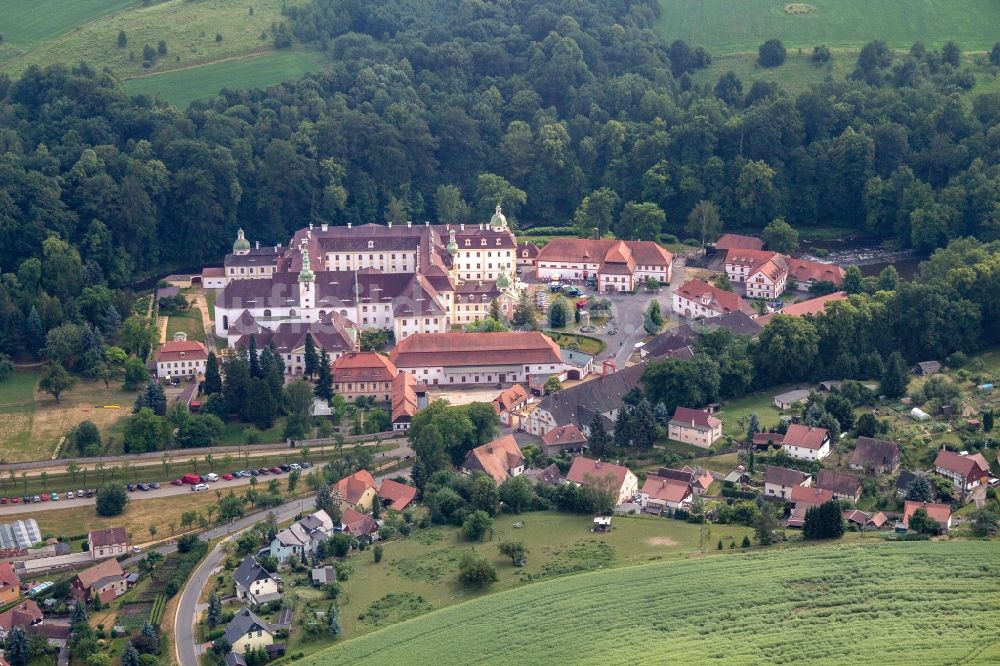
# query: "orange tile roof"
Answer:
x=802 y=270
x=564 y=434
x=213 y=272
x=510 y=398
x=95 y=573
x=352 y=488
x=475 y=349
x=809 y=307
x=719 y=300
x=939 y=512
x=404 y=397
x=596 y=469
x=591 y=251
x=495 y=458
x=807 y=437
x=691 y=418
x=8 y=577
x=363 y=367
x=736 y=241
x=398 y=494
x=177 y=350
x=21 y=615
x=668 y=490
x=357 y=523
x=810 y=496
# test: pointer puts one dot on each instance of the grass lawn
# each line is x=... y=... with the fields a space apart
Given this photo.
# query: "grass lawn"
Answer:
x=234 y=433
x=723 y=26
x=760 y=403
x=188 y=322
x=71 y=34
x=829 y=604
x=183 y=86
x=29 y=23
x=584 y=343
x=31 y=423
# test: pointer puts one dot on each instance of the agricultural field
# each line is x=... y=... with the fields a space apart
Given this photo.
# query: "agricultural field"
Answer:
x=910 y=602
x=32 y=423
x=180 y=87
x=723 y=26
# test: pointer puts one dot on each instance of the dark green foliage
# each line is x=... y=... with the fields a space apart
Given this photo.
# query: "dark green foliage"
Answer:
x=153 y=398
x=820 y=55
x=921 y=523
x=558 y=313
x=87 y=438
x=213 y=381
x=310 y=357
x=771 y=53
x=111 y=500
x=824 y=521
x=920 y=490
x=476 y=571
x=17 y=647
x=122 y=39
x=324 y=378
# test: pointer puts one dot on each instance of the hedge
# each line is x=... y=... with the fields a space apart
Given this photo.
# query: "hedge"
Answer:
x=738 y=494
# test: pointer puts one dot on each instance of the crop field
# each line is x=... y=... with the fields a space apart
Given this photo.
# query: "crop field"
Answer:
x=68 y=31
x=182 y=86
x=724 y=26
x=913 y=602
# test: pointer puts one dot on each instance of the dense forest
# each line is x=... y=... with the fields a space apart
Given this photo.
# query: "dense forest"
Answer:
x=567 y=110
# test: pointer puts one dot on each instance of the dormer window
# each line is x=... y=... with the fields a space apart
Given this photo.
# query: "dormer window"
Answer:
x=483 y=242
x=371 y=244
x=498 y=240
x=468 y=242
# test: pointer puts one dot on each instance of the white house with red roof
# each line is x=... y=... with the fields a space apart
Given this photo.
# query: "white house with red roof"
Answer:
x=659 y=494
x=619 y=480
x=564 y=439
x=811 y=306
x=806 y=442
x=501 y=459
x=694 y=426
x=181 y=358
x=966 y=472
x=939 y=512
x=696 y=299
x=358 y=374
x=616 y=265
x=764 y=273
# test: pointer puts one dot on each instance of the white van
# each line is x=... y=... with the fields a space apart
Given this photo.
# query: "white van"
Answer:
x=211 y=476
x=200 y=486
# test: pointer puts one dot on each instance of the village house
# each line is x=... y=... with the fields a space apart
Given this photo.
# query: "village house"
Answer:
x=810 y=273
x=806 y=442
x=763 y=273
x=780 y=481
x=509 y=403
x=875 y=456
x=699 y=479
x=396 y=496
x=357 y=491
x=108 y=542
x=527 y=253
x=728 y=242
x=967 y=473
x=843 y=486
x=246 y=632
x=181 y=358
x=105 y=581
x=695 y=427
x=790 y=399
x=10 y=583
x=357 y=374
x=619 y=480
x=500 y=459
x=660 y=494
x=615 y=266
x=254 y=584
x=939 y=512
x=577 y=404
x=801 y=309
x=301 y=538
x=481 y=358
x=696 y=299
x=927 y=368
x=25 y=614
x=359 y=525
x=763 y=441
x=408 y=397
x=803 y=498
x=564 y=439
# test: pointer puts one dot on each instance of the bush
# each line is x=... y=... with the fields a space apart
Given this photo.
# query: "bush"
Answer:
x=476 y=571
x=111 y=500
x=771 y=53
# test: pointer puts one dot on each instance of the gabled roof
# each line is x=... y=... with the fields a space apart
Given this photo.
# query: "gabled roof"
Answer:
x=762 y=438
x=719 y=300
x=8 y=577
x=511 y=398
x=177 y=350
x=694 y=418
x=250 y=571
x=583 y=469
x=855 y=516
x=810 y=496
x=664 y=343
x=771 y=263
x=939 y=512
x=878 y=519
x=601 y=395
x=106 y=569
x=528 y=250
x=782 y=476
x=809 y=307
x=399 y=495
x=875 y=452
x=736 y=241
x=737 y=321
x=496 y=458
x=357 y=523
x=111 y=536
x=968 y=467
x=806 y=437
x=21 y=615
x=668 y=490
x=404 y=397
x=803 y=270
x=352 y=488
x=604 y=251
x=846 y=485
x=475 y=349
x=363 y=367
x=244 y=621
x=568 y=435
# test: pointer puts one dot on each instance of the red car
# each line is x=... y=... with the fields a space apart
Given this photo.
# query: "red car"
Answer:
x=45 y=497
x=15 y=500
x=264 y=471
x=177 y=482
x=275 y=470
x=227 y=476
x=3 y=500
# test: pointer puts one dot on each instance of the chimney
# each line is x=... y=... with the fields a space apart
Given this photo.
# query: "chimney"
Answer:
x=310 y=226
x=409 y=223
x=390 y=225
x=324 y=226
x=427 y=223
x=480 y=226
x=597 y=233
x=348 y=225
x=257 y=244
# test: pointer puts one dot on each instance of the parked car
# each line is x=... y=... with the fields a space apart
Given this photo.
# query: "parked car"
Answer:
x=26 y=499
x=227 y=477
x=15 y=500
x=136 y=549
x=572 y=291
x=144 y=486
x=295 y=466
x=177 y=482
x=70 y=495
x=90 y=492
x=36 y=498
x=191 y=479
x=252 y=472
x=211 y=476
x=79 y=494
x=54 y=497
x=154 y=485
x=264 y=471
x=306 y=464
x=285 y=468
x=3 y=500
x=45 y=497
x=276 y=470
x=200 y=486
x=131 y=487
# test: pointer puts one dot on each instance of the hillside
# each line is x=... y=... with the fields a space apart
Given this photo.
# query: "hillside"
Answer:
x=887 y=603
x=723 y=26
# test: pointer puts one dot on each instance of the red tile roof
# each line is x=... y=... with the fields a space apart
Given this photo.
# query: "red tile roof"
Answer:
x=806 y=437
x=668 y=490
x=357 y=523
x=770 y=262
x=363 y=367
x=398 y=494
x=352 y=488
x=809 y=307
x=8 y=577
x=590 y=251
x=495 y=458
x=21 y=615
x=736 y=241
x=782 y=476
x=213 y=272
x=178 y=350
x=694 y=418
x=810 y=496
x=596 y=469
x=475 y=349
x=91 y=575
x=565 y=434
x=511 y=398
x=939 y=512
x=720 y=300
x=971 y=468
x=879 y=519
x=404 y=397
x=108 y=595
x=112 y=536
x=762 y=438
x=845 y=485
x=802 y=270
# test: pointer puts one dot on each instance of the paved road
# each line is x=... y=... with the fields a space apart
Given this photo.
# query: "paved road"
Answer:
x=186 y=618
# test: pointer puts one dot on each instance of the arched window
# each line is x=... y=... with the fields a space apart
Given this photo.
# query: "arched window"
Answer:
x=267 y=313
x=343 y=313
x=291 y=313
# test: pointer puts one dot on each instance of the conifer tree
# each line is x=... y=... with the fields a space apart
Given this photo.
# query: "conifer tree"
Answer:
x=213 y=380
x=324 y=380
x=311 y=359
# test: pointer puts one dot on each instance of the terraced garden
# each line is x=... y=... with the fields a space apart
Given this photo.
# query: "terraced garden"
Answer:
x=906 y=603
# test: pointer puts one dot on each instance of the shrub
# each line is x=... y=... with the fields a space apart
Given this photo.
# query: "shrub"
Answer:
x=771 y=53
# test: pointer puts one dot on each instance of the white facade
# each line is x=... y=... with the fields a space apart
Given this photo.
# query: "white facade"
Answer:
x=806 y=453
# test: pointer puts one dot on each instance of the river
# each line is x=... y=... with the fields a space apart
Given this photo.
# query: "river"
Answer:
x=868 y=254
